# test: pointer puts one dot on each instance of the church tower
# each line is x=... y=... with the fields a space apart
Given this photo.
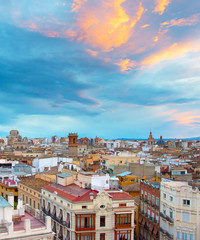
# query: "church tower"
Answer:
x=151 y=140
x=73 y=144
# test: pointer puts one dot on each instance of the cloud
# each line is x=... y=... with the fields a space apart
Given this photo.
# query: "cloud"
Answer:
x=161 y=6
x=76 y=5
x=192 y=20
x=92 y=52
x=176 y=50
x=185 y=118
x=126 y=65
x=110 y=31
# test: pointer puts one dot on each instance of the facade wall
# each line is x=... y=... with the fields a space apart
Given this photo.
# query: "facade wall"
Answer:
x=179 y=211
x=149 y=210
x=72 y=209
x=29 y=196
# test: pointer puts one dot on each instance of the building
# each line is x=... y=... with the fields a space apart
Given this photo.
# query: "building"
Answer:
x=82 y=213
x=151 y=140
x=8 y=184
x=20 y=224
x=29 y=190
x=73 y=144
x=179 y=211
x=149 y=210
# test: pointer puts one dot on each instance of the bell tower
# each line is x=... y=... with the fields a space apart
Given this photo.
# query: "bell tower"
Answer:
x=73 y=144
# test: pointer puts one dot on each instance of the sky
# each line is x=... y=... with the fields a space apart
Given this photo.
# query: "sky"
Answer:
x=107 y=68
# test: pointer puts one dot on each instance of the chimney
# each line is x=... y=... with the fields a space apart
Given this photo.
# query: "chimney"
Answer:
x=11 y=199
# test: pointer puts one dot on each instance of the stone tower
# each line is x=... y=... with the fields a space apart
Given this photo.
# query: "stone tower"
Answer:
x=151 y=140
x=73 y=144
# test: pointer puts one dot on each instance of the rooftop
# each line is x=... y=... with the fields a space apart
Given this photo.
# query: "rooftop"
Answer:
x=64 y=175
x=75 y=193
x=4 y=203
x=35 y=223
x=34 y=183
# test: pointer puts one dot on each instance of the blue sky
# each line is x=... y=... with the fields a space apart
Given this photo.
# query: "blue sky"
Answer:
x=112 y=68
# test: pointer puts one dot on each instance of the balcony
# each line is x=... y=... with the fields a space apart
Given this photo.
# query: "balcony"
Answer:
x=163 y=215
x=155 y=220
x=163 y=231
x=46 y=211
x=170 y=220
x=169 y=236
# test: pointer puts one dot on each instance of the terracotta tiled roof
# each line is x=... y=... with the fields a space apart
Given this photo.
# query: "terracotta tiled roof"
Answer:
x=34 y=183
x=75 y=193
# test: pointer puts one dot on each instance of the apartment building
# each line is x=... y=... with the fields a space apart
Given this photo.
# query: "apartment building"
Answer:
x=179 y=211
x=149 y=210
x=78 y=212
x=29 y=190
x=20 y=224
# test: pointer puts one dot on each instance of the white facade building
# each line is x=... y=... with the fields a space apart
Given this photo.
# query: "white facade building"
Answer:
x=179 y=211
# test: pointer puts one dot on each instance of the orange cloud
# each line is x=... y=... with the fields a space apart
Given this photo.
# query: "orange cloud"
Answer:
x=76 y=5
x=126 y=65
x=161 y=6
x=155 y=39
x=183 y=21
x=174 y=51
x=185 y=118
x=110 y=31
x=92 y=53
x=146 y=25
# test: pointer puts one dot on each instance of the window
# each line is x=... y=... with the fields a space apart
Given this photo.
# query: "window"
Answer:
x=23 y=197
x=122 y=220
x=141 y=191
x=122 y=204
x=157 y=202
x=171 y=199
x=30 y=201
x=186 y=217
x=186 y=202
x=153 y=200
x=85 y=221
x=83 y=207
x=191 y=236
x=85 y=236
x=120 y=235
x=149 y=196
x=178 y=235
x=171 y=213
x=38 y=206
x=102 y=236
x=184 y=236
x=102 y=221
x=26 y=199
x=164 y=195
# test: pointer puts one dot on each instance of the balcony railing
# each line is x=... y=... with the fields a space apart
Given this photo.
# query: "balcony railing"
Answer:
x=170 y=220
x=155 y=220
x=170 y=236
x=46 y=211
x=163 y=230
x=163 y=215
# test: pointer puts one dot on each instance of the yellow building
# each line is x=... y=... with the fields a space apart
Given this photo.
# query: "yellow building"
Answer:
x=29 y=189
x=9 y=186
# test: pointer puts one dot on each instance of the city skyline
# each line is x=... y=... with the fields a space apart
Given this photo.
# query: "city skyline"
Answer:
x=112 y=69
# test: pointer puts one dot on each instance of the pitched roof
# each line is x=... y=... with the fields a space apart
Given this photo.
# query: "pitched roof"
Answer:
x=34 y=183
x=75 y=193
x=4 y=203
